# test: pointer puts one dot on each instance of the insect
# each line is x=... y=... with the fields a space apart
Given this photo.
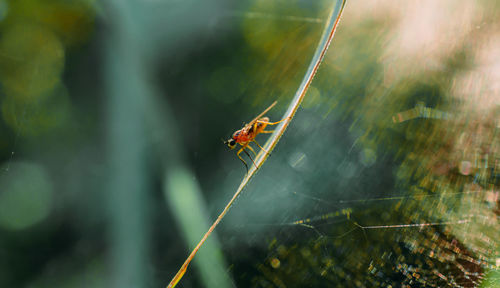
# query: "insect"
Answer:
x=247 y=134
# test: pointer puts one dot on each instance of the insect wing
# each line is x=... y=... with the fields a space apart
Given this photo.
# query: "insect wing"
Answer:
x=262 y=114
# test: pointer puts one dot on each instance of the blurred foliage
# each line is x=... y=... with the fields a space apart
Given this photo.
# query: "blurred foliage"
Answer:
x=35 y=35
x=390 y=134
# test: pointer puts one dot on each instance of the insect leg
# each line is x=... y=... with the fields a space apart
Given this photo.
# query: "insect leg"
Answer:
x=272 y=123
x=251 y=149
x=250 y=158
x=267 y=131
x=261 y=147
x=238 y=154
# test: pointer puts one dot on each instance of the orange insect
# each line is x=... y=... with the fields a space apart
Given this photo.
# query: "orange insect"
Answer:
x=247 y=134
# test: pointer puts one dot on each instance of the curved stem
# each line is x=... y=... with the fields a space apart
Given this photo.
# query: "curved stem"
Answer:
x=325 y=40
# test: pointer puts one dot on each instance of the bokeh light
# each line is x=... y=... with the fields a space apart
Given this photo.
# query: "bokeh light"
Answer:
x=112 y=166
x=26 y=195
x=31 y=61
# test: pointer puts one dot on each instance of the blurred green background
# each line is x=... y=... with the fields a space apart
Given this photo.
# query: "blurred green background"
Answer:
x=112 y=167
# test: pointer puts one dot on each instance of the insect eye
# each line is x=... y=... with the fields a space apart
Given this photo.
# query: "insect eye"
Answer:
x=231 y=143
